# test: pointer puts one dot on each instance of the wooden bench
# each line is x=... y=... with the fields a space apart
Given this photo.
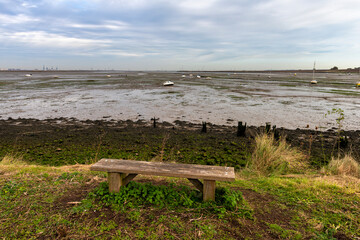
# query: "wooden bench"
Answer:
x=121 y=172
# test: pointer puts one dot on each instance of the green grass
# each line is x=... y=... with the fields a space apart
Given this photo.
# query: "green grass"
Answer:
x=72 y=202
x=69 y=201
x=329 y=208
x=64 y=148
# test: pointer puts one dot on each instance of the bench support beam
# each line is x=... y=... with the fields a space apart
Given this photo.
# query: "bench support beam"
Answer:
x=128 y=178
x=197 y=184
x=209 y=190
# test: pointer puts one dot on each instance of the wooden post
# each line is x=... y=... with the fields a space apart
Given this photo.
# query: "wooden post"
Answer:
x=203 y=130
x=209 y=190
x=154 y=121
x=276 y=133
x=267 y=127
x=241 y=129
x=343 y=141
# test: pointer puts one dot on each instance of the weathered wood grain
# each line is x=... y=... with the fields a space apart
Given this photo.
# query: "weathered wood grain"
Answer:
x=191 y=171
x=115 y=181
x=209 y=190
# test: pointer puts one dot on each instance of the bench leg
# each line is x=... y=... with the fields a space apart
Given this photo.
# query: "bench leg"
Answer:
x=115 y=181
x=209 y=190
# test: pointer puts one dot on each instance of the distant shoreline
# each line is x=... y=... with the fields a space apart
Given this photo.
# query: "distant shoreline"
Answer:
x=346 y=71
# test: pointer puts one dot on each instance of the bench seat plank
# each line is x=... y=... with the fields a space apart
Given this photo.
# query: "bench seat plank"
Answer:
x=191 y=171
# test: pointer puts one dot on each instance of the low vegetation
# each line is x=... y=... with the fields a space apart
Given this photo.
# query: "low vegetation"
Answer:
x=74 y=203
x=48 y=192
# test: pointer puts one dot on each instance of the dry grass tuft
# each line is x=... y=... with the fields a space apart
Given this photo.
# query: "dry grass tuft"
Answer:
x=9 y=159
x=347 y=166
x=349 y=184
x=13 y=163
x=272 y=157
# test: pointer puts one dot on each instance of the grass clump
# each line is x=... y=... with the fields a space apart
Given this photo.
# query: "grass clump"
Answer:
x=135 y=195
x=343 y=166
x=271 y=157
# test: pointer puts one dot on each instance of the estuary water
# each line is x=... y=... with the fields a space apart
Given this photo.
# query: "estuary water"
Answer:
x=284 y=99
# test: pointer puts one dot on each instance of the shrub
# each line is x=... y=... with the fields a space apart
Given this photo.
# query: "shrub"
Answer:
x=344 y=166
x=136 y=195
x=271 y=157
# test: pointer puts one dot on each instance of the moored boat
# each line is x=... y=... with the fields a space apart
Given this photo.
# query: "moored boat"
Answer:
x=313 y=81
x=168 y=83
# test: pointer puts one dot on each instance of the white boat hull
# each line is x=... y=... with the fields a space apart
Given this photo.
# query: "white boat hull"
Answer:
x=168 y=83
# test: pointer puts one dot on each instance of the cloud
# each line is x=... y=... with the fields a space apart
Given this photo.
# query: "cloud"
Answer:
x=123 y=54
x=210 y=31
x=6 y=19
x=111 y=25
x=310 y=14
x=50 y=40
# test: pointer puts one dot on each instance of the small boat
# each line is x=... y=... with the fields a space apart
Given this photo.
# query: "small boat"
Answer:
x=313 y=81
x=168 y=83
x=28 y=75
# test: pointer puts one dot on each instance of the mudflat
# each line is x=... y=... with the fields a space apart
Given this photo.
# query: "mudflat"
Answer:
x=223 y=98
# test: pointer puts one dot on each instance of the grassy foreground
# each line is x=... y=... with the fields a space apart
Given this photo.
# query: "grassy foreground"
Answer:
x=40 y=202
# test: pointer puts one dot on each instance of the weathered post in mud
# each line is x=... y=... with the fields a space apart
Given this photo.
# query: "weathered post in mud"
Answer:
x=343 y=142
x=267 y=127
x=203 y=130
x=241 y=129
x=154 y=121
x=276 y=133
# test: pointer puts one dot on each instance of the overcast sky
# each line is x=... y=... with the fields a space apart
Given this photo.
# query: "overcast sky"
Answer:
x=179 y=34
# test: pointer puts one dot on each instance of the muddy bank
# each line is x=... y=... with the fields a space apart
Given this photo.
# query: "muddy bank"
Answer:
x=68 y=141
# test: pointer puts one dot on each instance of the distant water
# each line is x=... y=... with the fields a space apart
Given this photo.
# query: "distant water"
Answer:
x=283 y=99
